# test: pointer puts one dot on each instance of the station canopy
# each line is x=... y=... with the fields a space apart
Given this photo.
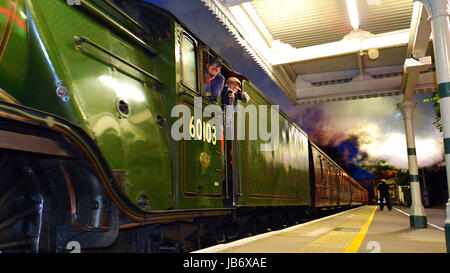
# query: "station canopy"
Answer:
x=331 y=50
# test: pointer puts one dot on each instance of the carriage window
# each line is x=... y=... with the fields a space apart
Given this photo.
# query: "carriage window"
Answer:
x=329 y=176
x=188 y=64
x=321 y=167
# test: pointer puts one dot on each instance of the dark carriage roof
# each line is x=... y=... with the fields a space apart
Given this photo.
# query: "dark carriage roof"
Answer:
x=335 y=164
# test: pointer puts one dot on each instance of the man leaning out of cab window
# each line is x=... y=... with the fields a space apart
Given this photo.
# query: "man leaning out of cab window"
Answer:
x=232 y=90
x=212 y=79
x=230 y=93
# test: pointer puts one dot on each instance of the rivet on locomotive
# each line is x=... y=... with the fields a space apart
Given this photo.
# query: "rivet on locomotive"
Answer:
x=87 y=157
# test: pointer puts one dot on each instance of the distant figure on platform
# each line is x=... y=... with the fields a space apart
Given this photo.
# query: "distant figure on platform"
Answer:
x=212 y=79
x=383 y=188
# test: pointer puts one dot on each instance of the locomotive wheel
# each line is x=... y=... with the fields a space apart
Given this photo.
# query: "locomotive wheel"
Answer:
x=23 y=220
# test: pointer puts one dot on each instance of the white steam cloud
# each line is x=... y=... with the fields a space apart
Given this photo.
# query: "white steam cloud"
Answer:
x=391 y=147
x=378 y=128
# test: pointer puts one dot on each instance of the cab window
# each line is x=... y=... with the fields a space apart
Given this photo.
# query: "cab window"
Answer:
x=188 y=63
x=206 y=56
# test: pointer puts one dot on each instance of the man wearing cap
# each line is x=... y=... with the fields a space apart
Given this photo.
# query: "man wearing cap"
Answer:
x=212 y=79
x=383 y=188
x=230 y=93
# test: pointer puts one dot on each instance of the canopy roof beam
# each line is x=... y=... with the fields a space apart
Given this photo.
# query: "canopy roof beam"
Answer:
x=419 y=38
x=230 y=3
x=343 y=47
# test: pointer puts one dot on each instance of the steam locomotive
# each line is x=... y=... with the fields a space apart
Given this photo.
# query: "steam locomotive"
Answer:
x=87 y=159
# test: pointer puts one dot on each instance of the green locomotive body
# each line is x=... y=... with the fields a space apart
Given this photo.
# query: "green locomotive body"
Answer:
x=275 y=178
x=110 y=73
x=81 y=63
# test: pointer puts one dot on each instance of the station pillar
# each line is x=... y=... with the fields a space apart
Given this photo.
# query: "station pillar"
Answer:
x=417 y=216
x=438 y=12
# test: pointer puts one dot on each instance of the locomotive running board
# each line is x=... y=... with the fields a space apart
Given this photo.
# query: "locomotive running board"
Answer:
x=168 y=216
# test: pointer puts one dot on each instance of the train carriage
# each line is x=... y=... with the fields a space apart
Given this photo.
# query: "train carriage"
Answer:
x=332 y=186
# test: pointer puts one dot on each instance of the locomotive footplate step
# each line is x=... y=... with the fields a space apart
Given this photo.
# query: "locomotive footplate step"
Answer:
x=360 y=230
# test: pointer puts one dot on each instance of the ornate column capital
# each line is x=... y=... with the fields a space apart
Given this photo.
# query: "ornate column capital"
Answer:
x=435 y=8
x=407 y=108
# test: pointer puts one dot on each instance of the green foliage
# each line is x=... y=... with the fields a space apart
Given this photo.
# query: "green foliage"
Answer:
x=402 y=178
x=385 y=170
x=380 y=170
x=437 y=110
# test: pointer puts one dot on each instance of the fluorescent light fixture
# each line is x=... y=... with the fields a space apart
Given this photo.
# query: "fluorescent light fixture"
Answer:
x=343 y=47
x=353 y=13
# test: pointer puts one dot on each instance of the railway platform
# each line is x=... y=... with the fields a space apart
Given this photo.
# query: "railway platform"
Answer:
x=364 y=229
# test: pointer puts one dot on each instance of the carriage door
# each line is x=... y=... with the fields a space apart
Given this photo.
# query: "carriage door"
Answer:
x=330 y=184
x=201 y=157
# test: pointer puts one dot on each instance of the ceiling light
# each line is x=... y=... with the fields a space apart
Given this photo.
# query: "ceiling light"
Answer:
x=373 y=53
x=353 y=13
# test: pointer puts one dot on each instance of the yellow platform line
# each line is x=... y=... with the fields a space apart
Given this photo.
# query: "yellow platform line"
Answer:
x=343 y=239
x=356 y=243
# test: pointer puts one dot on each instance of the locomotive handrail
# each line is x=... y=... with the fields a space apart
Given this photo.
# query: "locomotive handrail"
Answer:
x=80 y=40
x=113 y=6
x=95 y=11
